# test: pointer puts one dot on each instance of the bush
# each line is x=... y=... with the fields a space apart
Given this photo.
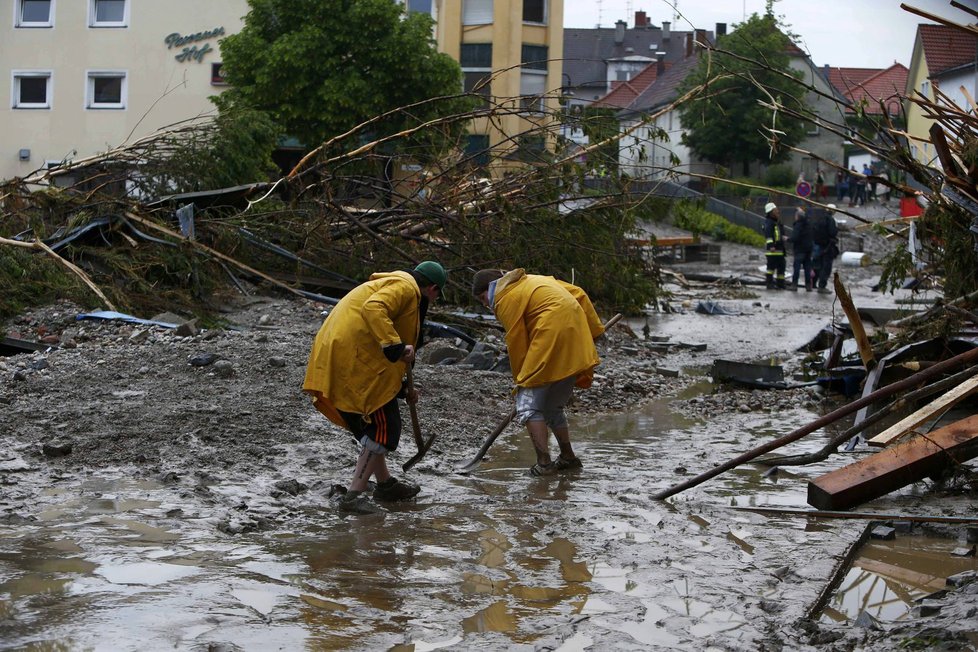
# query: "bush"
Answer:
x=780 y=176
x=697 y=220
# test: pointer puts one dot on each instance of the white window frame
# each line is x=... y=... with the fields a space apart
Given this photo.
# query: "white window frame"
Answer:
x=477 y=16
x=925 y=88
x=92 y=5
x=15 y=78
x=91 y=76
x=19 y=12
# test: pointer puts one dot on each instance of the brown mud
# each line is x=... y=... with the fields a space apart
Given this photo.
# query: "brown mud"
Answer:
x=193 y=508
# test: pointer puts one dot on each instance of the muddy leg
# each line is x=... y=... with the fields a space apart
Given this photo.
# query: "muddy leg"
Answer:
x=369 y=464
x=538 y=435
x=562 y=435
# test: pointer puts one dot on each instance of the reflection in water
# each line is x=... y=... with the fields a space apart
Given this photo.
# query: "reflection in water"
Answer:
x=495 y=618
x=888 y=576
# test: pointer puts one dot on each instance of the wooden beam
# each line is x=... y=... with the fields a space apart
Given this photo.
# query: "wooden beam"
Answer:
x=924 y=414
x=895 y=467
x=855 y=323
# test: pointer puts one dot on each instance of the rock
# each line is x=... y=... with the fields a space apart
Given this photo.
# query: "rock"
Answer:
x=60 y=449
x=187 y=329
x=203 y=359
x=264 y=320
x=139 y=336
x=291 y=487
x=961 y=579
x=439 y=354
x=51 y=339
x=39 y=365
x=20 y=374
x=482 y=361
x=224 y=368
x=925 y=610
x=169 y=318
x=867 y=621
x=964 y=551
x=276 y=361
x=883 y=533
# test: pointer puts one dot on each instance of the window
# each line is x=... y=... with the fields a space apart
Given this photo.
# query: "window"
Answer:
x=477 y=82
x=422 y=6
x=476 y=12
x=106 y=90
x=534 y=57
x=534 y=11
x=476 y=55
x=108 y=13
x=477 y=148
x=35 y=13
x=533 y=86
x=925 y=88
x=32 y=89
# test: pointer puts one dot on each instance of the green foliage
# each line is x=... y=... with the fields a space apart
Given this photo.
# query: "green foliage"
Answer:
x=780 y=176
x=600 y=124
x=694 y=218
x=322 y=67
x=726 y=124
x=28 y=278
x=234 y=149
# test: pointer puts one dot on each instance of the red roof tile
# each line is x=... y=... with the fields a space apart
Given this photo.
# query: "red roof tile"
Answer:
x=946 y=47
x=871 y=85
x=624 y=93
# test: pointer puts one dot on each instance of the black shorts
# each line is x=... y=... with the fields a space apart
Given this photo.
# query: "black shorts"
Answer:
x=383 y=426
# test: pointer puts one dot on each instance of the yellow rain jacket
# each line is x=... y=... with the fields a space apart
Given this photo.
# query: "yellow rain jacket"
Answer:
x=347 y=368
x=550 y=329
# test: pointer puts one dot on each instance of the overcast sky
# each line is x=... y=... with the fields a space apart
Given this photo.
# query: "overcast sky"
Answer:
x=845 y=33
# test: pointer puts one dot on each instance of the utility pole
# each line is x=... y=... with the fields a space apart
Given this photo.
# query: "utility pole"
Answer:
x=600 y=12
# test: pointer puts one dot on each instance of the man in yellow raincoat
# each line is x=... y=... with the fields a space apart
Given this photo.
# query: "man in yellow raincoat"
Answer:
x=357 y=364
x=550 y=331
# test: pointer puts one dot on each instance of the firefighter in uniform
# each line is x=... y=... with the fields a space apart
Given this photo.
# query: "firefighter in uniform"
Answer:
x=774 y=247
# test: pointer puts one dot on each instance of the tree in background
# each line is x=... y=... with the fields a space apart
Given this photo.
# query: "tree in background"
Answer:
x=727 y=124
x=321 y=67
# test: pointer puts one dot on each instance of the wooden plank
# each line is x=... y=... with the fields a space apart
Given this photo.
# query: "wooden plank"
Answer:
x=895 y=467
x=925 y=413
x=855 y=323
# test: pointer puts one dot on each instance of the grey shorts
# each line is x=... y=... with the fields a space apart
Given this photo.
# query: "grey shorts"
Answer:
x=545 y=403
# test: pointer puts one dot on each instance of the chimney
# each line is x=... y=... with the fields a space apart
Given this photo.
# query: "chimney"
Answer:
x=641 y=20
x=721 y=29
x=660 y=64
x=665 y=30
x=689 y=44
x=700 y=38
x=620 y=32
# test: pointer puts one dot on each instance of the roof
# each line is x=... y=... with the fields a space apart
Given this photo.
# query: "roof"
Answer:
x=587 y=50
x=663 y=90
x=872 y=85
x=624 y=93
x=946 y=47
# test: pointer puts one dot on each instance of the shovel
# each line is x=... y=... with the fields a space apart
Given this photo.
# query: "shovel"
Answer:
x=423 y=445
x=477 y=460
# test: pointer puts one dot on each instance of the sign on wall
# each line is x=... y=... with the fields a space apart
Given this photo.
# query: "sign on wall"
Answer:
x=190 y=50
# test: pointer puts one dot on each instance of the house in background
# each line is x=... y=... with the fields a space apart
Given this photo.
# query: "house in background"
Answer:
x=943 y=58
x=597 y=61
x=873 y=96
x=87 y=75
x=644 y=156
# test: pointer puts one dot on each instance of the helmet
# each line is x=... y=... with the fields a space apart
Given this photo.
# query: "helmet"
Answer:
x=768 y=207
x=434 y=272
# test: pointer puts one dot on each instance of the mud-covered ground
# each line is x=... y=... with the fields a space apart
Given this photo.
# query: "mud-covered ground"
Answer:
x=122 y=455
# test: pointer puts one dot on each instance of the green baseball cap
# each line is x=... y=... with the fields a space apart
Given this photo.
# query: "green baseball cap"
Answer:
x=434 y=272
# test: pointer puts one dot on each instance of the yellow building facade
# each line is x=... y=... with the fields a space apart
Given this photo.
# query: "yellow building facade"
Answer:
x=510 y=52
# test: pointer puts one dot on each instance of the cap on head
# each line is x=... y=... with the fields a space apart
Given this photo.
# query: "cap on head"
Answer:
x=434 y=272
x=768 y=207
x=482 y=279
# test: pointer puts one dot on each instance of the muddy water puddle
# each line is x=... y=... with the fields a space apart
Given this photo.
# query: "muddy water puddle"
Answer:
x=492 y=557
x=888 y=579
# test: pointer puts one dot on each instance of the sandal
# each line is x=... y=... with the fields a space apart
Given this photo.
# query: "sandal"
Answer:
x=539 y=470
x=562 y=464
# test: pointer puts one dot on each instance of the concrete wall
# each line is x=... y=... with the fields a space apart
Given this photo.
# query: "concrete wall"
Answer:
x=160 y=89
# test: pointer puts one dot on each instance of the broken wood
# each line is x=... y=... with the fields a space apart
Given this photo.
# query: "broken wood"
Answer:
x=855 y=323
x=966 y=358
x=908 y=399
x=925 y=413
x=896 y=467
